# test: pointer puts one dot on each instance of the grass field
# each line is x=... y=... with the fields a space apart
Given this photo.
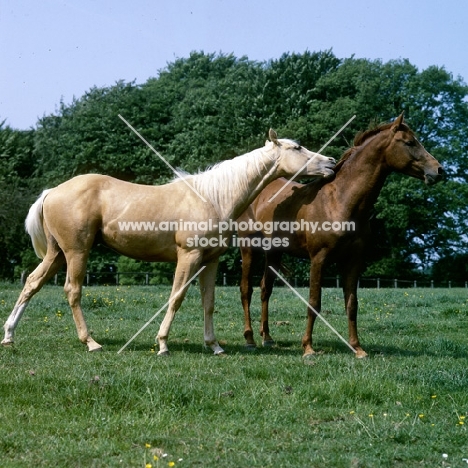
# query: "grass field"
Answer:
x=404 y=406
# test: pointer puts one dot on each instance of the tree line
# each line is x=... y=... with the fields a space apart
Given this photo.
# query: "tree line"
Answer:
x=206 y=108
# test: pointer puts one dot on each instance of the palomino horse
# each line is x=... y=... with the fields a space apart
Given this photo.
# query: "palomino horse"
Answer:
x=65 y=221
x=348 y=198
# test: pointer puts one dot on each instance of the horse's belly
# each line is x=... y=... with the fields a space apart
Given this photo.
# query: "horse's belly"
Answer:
x=146 y=245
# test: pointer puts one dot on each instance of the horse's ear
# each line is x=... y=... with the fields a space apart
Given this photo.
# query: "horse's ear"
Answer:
x=398 y=121
x=273 y=136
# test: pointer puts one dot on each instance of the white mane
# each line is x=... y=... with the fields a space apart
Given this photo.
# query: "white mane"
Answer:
x=232 y=179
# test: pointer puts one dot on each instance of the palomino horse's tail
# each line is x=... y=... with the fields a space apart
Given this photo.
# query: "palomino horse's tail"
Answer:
x=34 y=227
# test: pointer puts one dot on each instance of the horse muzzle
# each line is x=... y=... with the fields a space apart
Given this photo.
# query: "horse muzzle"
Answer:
x=431 y=178
x=329 y=168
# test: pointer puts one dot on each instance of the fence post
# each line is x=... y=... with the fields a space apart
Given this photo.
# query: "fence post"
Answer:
x=395 y=283
x=117 y=278
x=147 y=279
x=432 y=283
x=415 y=285
x=378 y=283
x=337 y=281
x=87 y=278
x=450 y=284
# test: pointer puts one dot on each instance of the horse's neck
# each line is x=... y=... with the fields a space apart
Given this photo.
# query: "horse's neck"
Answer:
x=260 y=171
x=237 y=182
x=359 y=182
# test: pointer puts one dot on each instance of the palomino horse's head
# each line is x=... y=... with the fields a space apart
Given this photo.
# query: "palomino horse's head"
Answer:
x=294 y=159
x=406 y=155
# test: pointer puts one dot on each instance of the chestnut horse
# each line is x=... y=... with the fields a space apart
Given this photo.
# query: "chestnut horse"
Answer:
x=65 y=221
x=345 y=201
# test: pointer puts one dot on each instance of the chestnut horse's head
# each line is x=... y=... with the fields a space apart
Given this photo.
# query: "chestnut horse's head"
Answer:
x=405 y=154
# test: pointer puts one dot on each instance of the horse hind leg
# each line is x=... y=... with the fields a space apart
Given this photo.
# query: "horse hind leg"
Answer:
x=76 y=270
x=51 y=264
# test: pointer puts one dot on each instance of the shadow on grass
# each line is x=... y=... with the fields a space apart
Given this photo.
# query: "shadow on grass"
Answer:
x=293 y=348
x=284 y=348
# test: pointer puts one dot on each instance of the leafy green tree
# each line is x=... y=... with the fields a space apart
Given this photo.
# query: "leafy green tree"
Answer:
x=423 y=223
x=209 y=107
x=217 y=114
x=88 y=136
x=17 y=164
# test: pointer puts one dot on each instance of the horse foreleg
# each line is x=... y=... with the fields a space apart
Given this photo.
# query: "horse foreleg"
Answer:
x=350 y=281
x=53 y=260
x=274 y=260
x=207 y=289
x=315 y=300
x=76 y=270
x=187 y=264
x=246 y=290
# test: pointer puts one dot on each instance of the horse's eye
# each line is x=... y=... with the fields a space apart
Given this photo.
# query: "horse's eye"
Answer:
x=410 y=143
x=298 y=147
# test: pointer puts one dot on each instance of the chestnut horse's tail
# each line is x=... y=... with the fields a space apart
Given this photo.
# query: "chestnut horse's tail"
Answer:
x=34 y=227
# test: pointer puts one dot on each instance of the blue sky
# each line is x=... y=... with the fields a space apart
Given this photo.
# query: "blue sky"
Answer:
x=57 y=49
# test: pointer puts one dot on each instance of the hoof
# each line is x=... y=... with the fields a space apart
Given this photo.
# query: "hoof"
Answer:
x=94 y=347
x=268 y=343
x=309 y=352
x=7 y=344
x=309 y=356
x=251 y=346
x=214 y=346
x=218 y=351
x=163 y=353
x=361 y=354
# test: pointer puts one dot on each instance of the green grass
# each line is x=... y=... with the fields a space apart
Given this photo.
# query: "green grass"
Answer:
x=403 y=406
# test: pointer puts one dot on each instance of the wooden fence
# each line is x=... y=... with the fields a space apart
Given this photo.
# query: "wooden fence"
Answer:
x=139 y=278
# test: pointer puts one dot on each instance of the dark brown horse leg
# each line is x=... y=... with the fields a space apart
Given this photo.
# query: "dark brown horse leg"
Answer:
x=271 y=259
x=350 y=281
x=246 y=290
x=52 y=262
x=315 y=300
